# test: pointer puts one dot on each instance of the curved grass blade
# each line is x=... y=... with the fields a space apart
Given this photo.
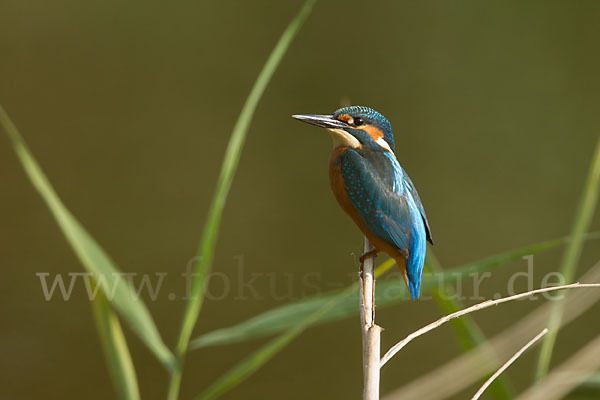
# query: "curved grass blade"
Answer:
x=588 y=389
x=232 y=155
x=468 y=332
x=248 y=366
x=279 y=319
x=345 y=299
x=89 y=252
x=388 y=292
x=116 y=353
x=593 y=381
x=583 y=217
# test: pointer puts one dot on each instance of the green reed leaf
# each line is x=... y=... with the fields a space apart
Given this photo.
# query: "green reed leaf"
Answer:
x=232 y=155
x=90 y=254
x=568 y=266
x=388 y=292
x=116 y=352
x=251 y=364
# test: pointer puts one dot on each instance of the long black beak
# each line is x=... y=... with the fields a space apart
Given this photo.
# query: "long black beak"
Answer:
x=324 y=121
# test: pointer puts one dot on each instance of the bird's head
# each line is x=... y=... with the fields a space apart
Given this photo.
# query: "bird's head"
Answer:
x=355 y=126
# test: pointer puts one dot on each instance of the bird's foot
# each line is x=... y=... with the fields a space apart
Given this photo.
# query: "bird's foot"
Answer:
x=367 y=255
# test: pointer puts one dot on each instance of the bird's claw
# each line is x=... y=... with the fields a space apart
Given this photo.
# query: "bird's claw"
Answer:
x=367 y=255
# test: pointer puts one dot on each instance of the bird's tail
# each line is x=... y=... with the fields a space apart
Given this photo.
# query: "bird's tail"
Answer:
x=412 y=269
x=413 y=283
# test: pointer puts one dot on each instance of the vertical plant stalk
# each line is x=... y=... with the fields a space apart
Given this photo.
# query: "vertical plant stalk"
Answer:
x=570 y=259
x=116 y=352
x=230 y=162
x=371 y=332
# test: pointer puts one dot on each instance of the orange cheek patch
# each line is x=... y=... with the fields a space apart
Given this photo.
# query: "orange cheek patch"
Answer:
x=374 y=132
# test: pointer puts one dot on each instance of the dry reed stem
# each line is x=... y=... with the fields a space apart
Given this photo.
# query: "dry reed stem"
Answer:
x=371 y=333
x=508 y=364
x=480 y=306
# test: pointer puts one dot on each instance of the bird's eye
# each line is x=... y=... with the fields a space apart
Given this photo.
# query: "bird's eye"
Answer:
x=358 y=121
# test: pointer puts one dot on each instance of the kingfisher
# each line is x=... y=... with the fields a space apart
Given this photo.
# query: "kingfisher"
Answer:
x=374 y=190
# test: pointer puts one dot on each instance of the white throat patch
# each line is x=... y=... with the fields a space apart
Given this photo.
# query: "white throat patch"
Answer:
x=342 y=138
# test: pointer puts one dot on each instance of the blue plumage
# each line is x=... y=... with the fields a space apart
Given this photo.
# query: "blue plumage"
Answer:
x=374 y=190
x=378 y=188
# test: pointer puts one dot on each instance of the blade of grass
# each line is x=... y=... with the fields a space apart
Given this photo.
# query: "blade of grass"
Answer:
x=468 y=333
x=89 y=252
x=230 y=162
x=588 y=389
x=251 y=364
x=248 y=366
x=286 y=317
x=593 y=382
x=388 y=292
x=116 y=353
x=345 y=298
x=583 y=217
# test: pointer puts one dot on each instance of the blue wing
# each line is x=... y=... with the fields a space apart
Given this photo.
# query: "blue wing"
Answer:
x=411 y=188
x=389 y=205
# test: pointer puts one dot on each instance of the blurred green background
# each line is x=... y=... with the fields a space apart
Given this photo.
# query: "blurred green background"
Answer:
x=128 y=106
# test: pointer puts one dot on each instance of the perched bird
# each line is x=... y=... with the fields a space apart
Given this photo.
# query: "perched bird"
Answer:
x=373 y=189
